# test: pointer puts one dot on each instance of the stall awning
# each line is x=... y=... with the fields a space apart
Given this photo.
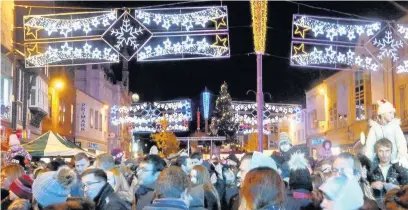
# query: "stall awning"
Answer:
x=51 y=145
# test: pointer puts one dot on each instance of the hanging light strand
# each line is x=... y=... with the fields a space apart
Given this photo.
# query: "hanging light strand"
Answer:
x=259 y=12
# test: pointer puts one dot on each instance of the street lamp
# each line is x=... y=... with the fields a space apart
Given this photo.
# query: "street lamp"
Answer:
x=59 y=84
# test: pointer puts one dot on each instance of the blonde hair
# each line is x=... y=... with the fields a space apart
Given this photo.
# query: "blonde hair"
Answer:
x=13 y=171
x=262 y=186
x=20 y=204
x=203 y=177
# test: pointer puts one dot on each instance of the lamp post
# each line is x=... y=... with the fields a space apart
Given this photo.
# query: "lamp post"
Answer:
x=259 y=11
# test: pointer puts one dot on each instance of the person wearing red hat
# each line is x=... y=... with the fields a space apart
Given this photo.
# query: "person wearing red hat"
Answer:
x=389 y=127
x=20 y=188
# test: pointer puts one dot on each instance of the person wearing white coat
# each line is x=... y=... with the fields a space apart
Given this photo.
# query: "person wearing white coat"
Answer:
x=387 y=127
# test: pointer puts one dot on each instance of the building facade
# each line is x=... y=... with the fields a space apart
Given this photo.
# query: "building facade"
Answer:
x=96 y=80
x=91 y=119
x=60 y=103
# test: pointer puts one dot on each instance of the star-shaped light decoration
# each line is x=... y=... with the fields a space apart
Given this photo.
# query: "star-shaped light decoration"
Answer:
x=301 y=32
x=300 y=48
x=29 y=32
x=218 y=41
x=34 y=49
x=220 y=23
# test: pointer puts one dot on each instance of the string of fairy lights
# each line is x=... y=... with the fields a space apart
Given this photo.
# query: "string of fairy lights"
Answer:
x=125 y=33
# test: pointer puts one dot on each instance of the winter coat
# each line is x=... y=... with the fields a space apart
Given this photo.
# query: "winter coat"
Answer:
x=107 y=199
x=298 y=199
x=210 y=201
x=229 y=194
x=167 y=204
x=144 y=197
x=5 y=203
x=395 y=175
x=392 y=131
x=17 y=150
x=76 y=188
x=121 y=186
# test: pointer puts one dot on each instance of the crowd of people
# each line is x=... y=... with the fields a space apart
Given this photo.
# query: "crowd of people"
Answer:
x=256 y=181
x=290 y=179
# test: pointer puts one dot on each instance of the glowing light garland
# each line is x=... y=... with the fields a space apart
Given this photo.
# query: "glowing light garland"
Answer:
x=188 y=21
x=206 y=104
x=245 y=115
x=126 y=35
x=146 y=118
x=65 y=27
x=332 y=30
x=259 y=11
x=65 y=52
x=188 y=45
x=330 y=56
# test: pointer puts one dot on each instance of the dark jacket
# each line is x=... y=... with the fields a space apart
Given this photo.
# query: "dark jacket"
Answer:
x=396 y=175
x=298 y=199
x=227 y=198
x=107 y=199
x=210 y=201
x=144 y=197
x=5 y=203
x=234 y=202
x=167 y=204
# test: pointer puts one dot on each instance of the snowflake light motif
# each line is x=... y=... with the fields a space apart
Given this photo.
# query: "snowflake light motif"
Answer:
x=403 y=67
x=388 y=46
x=245 y=115
x=145 y=117
x=127 y=34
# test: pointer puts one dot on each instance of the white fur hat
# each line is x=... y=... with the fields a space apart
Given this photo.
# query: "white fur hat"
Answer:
x=13 y=140
x=384 y=107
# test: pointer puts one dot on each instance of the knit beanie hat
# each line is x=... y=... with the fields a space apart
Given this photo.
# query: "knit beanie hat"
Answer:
x=53 y=187
x=299 y=176
x=284 y=138
x=117 y=154
x=344 y=191
x=384 y=107
x=22 y=187
x=13 y=140
x=260 y=160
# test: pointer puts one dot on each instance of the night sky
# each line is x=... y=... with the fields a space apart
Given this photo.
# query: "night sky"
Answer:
x=169 y=80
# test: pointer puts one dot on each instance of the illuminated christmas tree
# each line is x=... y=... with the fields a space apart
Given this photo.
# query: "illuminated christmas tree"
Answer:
x=223 y=114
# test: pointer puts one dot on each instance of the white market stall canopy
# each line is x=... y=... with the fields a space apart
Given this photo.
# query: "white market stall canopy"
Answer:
x=52 y=145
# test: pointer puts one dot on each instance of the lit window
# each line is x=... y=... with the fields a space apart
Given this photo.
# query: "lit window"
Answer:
x=359 y=95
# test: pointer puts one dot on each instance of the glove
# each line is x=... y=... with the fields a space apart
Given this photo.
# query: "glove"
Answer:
x=390 y=186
